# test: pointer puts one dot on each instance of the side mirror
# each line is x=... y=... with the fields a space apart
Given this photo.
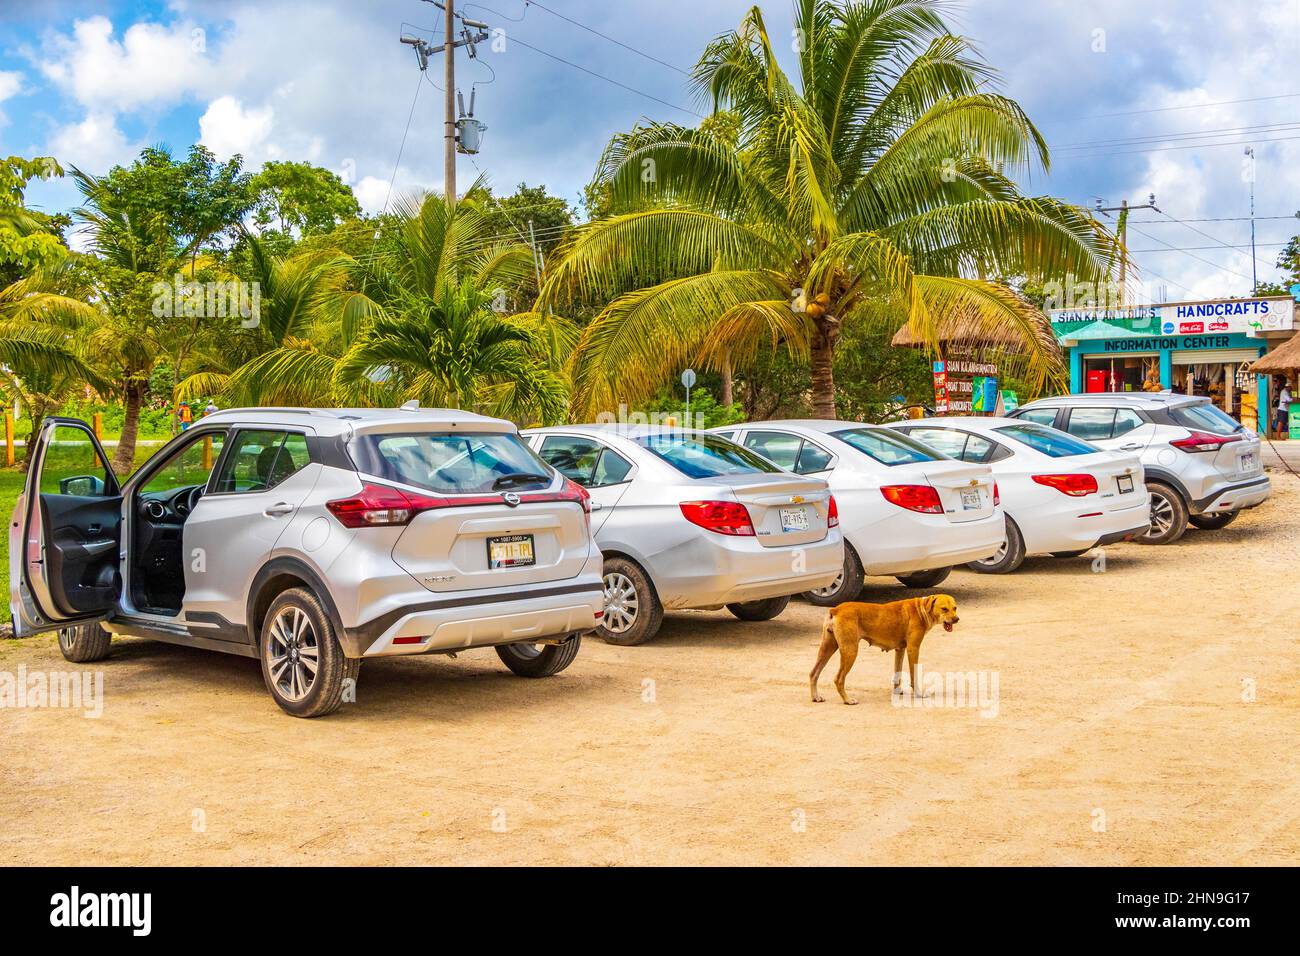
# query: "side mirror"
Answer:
x=82 y=486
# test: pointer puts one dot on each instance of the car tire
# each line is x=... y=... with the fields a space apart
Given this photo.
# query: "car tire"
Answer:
x=1168 y=515
x=1213 y=522
x=84 y=643
x=763 y=610
x=1009 y=557
x=846 y=587
x=1071 y=554
x=632 y=609
x=539 y=660
x=924 y=579
x=295 y=630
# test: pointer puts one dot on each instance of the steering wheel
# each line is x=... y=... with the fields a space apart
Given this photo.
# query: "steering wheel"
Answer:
x=189 y=500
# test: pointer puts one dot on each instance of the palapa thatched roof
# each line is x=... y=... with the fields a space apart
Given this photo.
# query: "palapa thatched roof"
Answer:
x=966 y=329
x=1284 y=358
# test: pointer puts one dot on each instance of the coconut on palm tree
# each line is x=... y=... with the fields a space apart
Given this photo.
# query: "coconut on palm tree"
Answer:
x=875 y=188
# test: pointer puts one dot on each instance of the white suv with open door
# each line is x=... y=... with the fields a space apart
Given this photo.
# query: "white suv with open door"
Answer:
x=1202 y=466
x=310 y=539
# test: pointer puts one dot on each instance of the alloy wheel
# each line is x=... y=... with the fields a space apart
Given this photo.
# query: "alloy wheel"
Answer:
x=621 y=603
x=1162 y=516
x=831 y=589
x=293 y=653
x=999 y=557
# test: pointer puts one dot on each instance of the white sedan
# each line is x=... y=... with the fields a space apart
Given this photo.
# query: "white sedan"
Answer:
x=906 y=511
x=1062 y=495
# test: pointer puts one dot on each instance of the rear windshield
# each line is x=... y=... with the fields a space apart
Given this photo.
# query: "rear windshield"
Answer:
x=705 y=456
x=1205 y=418
x=1050 y=441
x=452 y=464
x=887 y=447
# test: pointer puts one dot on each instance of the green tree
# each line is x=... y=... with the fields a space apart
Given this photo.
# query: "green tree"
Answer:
x=29 y=239
x=300 y=198
x=875 y=187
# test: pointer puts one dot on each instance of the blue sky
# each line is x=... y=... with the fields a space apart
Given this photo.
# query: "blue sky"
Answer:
x=1151 y=84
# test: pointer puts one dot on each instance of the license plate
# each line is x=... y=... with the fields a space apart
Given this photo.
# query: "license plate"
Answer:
x=794 y=519
x=1125 y=483
x=1248 y=462
x=970 y=499
x=510 y=551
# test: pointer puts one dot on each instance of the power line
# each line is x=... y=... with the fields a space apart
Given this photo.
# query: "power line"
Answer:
x=1189 y=106
x=604 y=36
x=1162 y=149
x=1190 y=254
x=1181 y=135
x=1239 y=245
x=602 y=76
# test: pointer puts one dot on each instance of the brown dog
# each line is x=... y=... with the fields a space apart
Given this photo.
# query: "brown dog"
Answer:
x=899 y=626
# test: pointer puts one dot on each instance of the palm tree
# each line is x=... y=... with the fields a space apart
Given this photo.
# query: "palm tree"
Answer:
x=413 y=319
x=874 y=187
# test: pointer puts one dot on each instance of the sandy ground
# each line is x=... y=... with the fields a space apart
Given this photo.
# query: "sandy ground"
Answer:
x=1125 y=733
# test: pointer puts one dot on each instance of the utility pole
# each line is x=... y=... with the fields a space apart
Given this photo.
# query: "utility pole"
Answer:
x=449 y=102
x=451 y=140
x=1121 y=232
x=1254 y=276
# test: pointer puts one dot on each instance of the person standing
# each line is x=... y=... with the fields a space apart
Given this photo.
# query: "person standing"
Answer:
x=1282 y=415
x=186 y=415
x=211 y=408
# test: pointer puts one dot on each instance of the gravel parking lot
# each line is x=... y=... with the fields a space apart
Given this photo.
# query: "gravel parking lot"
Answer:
x=1144 y=714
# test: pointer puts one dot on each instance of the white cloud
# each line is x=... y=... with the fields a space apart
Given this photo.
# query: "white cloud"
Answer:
x=95 y=144
x=150 y=65
x=227 y=128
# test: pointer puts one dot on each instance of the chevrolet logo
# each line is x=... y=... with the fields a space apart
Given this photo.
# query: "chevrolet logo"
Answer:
x=974 y=482
x=796 y=499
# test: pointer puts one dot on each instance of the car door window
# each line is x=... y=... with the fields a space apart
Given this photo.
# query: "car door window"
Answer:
x=779 y=447
x=1091 y=424
x=948 y=441
x=260 y=460
x=73 y=466
x=1125 y=421
x=574 y=458
x=611 y=469
x=812 y=458
x=188 y=467
x=978 y=449
x=1041 y=416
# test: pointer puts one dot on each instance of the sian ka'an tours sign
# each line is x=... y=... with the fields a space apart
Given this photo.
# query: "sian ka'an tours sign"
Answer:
x=965 y=383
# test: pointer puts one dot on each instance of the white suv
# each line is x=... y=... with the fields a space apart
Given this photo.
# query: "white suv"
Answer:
x=310 y=539
x=1201 y=465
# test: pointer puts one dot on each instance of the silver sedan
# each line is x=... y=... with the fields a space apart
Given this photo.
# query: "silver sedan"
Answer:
x=687 y=519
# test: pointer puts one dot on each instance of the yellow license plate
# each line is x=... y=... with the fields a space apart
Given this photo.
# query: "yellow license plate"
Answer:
x=510 y=551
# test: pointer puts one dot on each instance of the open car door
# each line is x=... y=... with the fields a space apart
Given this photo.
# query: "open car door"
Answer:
x=65 y=535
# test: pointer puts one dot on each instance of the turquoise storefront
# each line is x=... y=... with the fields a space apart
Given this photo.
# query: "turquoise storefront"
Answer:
x=1201 y=348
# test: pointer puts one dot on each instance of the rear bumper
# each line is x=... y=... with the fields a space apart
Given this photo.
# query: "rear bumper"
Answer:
x=1069 y=530
x=710 y=573
x=476 y=620
x=908 y=542
x=1246 y=494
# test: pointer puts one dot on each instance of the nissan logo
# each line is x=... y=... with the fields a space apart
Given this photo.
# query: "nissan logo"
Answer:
x=511 y=499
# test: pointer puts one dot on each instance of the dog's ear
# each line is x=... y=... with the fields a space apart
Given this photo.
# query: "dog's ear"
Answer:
x=928 y=604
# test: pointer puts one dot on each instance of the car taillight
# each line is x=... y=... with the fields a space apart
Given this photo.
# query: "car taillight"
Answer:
x=1076 y=485
x=377 y=506
x=724 y=517
x=997 y=498
x=921 y=498
x=833 y=514
x=1203 y=441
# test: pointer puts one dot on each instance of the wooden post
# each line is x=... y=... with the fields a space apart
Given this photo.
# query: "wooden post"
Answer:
x=97 y=423
x=207 y=454
x=9 y=438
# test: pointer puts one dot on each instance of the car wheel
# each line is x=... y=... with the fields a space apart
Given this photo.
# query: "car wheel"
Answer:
x=924 y=579
x=83 y=643
x=632 y=610
x=1009 y=557
x=1213 y=522
x=846 y=586
x=539 y=660
x=1071 y=554
x=763 y=610
x=302 y=662
x=1168 y=515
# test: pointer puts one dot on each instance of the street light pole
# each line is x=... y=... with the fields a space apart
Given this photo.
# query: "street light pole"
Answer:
x=1254 y=276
